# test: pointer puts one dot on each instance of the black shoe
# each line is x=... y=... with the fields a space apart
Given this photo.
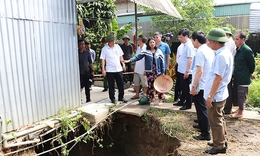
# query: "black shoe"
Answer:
x=200 y=137
x=197 y=121
x=184 y=108
x=113 y=101
x=214 y=151
x=196 y=126
x=212 y=144
x=123 y=99
x=88 y=100
x=178 y=104
x=104 y=90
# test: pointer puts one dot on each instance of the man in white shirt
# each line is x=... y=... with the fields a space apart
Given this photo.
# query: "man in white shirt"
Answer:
x=112 y=58
x=177 y=89
x=139 y=69
x=184 y=67
x=202 y=64
x=231 y=46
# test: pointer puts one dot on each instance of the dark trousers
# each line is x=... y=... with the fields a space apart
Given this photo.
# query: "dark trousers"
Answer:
x=128 y=77
x=230 y=99
x=105 y=85
x=111 y=78
x=177 y=88
x=185 y=88
x=84 y=82
x=202 y=114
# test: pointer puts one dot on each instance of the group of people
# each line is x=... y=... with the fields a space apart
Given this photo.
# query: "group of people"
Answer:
x=213 y=71
x=152 y=60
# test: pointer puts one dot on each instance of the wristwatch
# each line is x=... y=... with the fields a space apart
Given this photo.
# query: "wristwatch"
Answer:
x=210 y=97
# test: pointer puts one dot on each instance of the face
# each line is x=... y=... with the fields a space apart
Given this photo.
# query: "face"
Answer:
x=157 y=38
x=88 y=46
x=195 y=43
x=238 y=40
x=152 y=43
x=139 y=41
x=125 y=40
x=212 y=44
x=81 y=45
x=111 y=43
x=183 y=39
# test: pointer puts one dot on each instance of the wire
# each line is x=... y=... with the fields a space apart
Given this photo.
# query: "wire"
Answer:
x=81 y=136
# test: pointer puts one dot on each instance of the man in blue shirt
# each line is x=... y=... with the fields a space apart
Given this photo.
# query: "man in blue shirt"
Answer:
x=164 y=47
x=215 y=91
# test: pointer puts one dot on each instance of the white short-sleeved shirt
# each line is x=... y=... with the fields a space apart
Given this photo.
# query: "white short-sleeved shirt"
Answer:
x=112 y=58
x=231 y=46
x=179 y=51
x=204 y=58
x=188 y=51
x=139 y=65
x=222 y=66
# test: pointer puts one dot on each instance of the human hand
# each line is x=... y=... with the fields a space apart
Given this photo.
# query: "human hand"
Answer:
x=186 y=75
x=167 y=69
x=193 y=91
x=126 y=61
x=103 y=72
x=252 y=76
x=209 y=102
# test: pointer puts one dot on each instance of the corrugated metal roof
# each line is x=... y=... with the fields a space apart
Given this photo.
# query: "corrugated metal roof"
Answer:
x=164 y=6
x=38 y=60
x=229 y=10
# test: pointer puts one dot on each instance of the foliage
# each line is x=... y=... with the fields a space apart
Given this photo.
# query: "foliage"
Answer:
x=254 y=88
x=95 y=22
x=196 y=14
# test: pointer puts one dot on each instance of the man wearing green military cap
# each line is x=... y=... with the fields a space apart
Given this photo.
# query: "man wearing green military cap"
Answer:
x=215 y=91
x=111 y=59
x=232 y=48
x=128 y=51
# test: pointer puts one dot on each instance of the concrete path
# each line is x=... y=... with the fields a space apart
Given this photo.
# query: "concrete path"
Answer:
x=98 y=108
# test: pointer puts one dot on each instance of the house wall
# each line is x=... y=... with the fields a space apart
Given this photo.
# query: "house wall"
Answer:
x=38 y=60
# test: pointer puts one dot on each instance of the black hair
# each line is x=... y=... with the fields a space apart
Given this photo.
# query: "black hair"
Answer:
x=87 y=42
x=200 y=36
x=143 y=38
x=242 y=35
x=81 y=40
x=148 y=46
x=184 y=32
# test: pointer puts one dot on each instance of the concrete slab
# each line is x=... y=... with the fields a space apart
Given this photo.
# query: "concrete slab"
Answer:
x=99 y=106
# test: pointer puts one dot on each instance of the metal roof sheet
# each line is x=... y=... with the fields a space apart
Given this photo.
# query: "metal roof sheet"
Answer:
x=164 y=6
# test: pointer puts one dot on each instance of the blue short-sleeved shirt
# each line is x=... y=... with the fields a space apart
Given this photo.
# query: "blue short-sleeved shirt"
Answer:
x=222 y=65
x=164 y=47
x=188 y=51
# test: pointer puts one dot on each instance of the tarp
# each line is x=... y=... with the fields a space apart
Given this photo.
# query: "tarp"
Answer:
x=164 y=6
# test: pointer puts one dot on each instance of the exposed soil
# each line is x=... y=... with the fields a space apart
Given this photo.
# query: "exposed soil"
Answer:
x=163 y=133
x=131 y=136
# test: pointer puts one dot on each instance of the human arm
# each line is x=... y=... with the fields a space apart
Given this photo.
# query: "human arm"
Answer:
x=103 y=62
x=196 y=80
x=186 y=74
x=123 y=62
x=216 y=83
x=168 y=62
x=92 y=68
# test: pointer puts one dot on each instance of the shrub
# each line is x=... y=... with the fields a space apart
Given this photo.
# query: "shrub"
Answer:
x=254 y=93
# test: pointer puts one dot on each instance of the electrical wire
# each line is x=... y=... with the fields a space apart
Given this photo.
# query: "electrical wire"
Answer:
x=81 y=136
